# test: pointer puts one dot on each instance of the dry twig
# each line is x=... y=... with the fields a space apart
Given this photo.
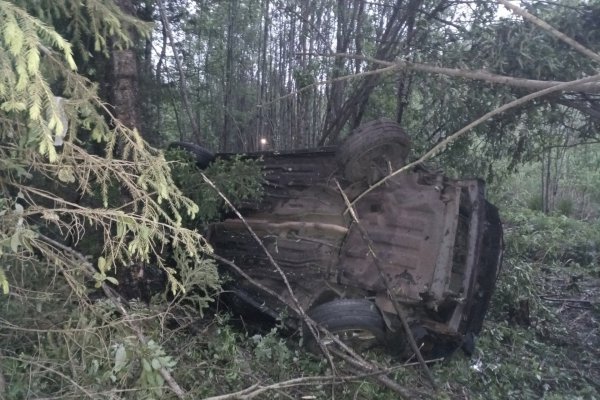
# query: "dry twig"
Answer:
x=477 y=75
x=310 y=323
x=390 y=292
x=115 y=298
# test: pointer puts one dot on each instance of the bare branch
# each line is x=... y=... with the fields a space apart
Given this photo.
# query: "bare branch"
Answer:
x=115 y=298
x=385 y=380
x=258 y=389
x=547 y=27
x=399 y=311
x=310 y=323
x=481 y=75
x=442 y=145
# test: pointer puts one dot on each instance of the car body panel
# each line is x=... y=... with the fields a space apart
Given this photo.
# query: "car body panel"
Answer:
x=439 y=241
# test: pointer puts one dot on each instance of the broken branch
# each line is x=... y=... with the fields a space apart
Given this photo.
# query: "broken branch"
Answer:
x=442 y=145
x=115 y=298
x=390 y=293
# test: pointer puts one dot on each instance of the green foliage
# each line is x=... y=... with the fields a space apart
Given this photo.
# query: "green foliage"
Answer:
x=512 y=362
x=53 y=346
x=544 y=358
x=231 y=360
x=93 y=25
x=565 y=207
x=531 y=235
x=535 y=202
x=45 y=160
x=574 y=183
x=238 y=178
x=61 y=344
x=57 y=343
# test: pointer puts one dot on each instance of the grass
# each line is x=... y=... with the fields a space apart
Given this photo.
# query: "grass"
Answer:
x=551 y=354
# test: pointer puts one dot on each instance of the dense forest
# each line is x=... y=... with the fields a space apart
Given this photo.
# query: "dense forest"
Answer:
x=92 y=92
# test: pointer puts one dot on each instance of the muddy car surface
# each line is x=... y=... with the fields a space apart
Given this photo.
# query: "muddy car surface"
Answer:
x=438 y=240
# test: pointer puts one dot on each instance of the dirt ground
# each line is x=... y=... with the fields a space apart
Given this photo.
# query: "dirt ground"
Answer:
x=573 y=296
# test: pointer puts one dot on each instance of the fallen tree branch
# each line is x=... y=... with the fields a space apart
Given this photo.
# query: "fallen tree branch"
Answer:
x=550 y=29
x=247 y=277
x=310 y=323
x=307 y=320
x=257 y=389
x=559 y=300
x=477 y=75
x=383 y=379
x=442 y=145
x=115 y=298
x=399 y=311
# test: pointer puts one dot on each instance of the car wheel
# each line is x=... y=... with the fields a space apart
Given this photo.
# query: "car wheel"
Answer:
x=356 y=322
x=202 y=156
x=372 y=150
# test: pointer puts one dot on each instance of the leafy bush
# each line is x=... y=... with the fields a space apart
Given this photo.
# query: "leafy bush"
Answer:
x=531 y=235
x=515 y=363
x=238 y=178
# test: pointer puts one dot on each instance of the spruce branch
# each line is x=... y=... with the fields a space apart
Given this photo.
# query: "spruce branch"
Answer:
x=116 y=300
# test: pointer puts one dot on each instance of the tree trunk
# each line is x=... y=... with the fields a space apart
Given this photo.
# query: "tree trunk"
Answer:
x=182 y=81
x=228 y=84
x=124 y=78
x=125 y=87
x=388 y=48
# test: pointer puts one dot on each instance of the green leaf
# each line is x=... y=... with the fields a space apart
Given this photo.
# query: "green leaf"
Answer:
x=146 y=365
x=102 y=265
x=15 y=241
x=3 y=282
x=155 y=363
x=120 y=358
x=112 y=280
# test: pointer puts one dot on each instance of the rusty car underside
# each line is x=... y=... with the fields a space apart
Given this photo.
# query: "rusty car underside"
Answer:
x=438 y=240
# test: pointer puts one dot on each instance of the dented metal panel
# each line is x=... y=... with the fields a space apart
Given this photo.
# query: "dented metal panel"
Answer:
x=432 y=235
x=411 y=226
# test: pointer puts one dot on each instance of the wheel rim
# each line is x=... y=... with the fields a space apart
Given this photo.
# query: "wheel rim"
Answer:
x=357 y=339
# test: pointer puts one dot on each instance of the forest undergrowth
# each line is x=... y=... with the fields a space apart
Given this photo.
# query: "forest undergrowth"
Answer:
x=541 y=338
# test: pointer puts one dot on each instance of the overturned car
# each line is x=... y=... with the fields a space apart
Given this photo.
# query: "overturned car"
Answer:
x=437 y=240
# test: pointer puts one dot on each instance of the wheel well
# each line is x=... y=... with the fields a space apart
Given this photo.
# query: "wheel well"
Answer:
x=324 y=297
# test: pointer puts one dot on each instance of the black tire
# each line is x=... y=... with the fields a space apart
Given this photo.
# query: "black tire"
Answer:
x=202 y=156
x=371 y=149
x=357 y=322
